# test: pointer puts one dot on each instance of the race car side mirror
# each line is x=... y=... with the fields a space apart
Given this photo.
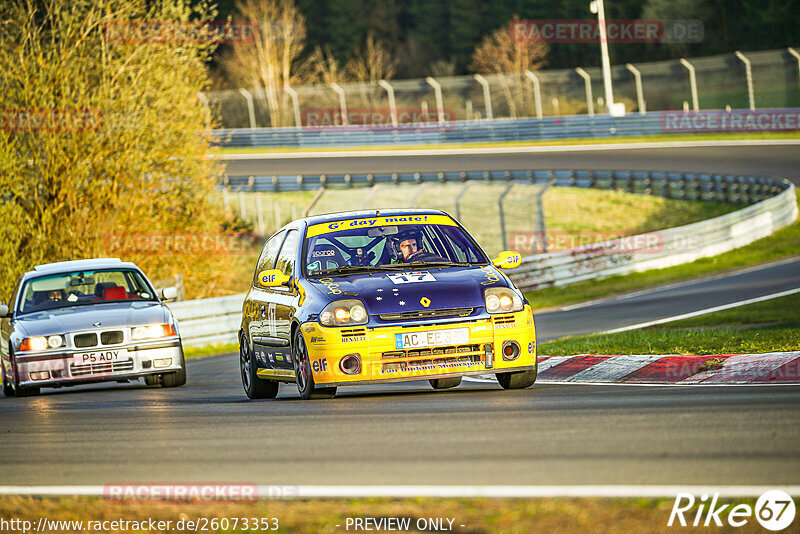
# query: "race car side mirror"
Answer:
x=169 y=293
x=273 y=278
x=3 y=310
x=508 y=259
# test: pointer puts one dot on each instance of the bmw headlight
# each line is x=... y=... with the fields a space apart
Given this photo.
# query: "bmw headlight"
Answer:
x=346 y=312
x=502 y=300
x=38 y=343
x=152 y=331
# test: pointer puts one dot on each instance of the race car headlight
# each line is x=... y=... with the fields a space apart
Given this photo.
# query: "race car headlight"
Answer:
x=152 y=331
x=502 y=300
x=42 y=343
x=344 y=313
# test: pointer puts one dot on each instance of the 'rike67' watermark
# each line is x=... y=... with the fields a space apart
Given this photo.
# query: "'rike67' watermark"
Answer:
x=774 y=510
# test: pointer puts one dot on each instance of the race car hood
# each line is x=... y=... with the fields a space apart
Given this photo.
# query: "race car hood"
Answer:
x=77 y=318
x=393 y=292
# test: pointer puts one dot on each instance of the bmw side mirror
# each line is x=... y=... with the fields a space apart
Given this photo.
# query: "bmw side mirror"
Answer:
x=169 y=293
x=3 y=310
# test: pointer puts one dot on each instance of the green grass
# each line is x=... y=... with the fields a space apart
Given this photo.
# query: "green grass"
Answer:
x=782 y=244
x=558 y=142
x=768 y=326
x=209 y=350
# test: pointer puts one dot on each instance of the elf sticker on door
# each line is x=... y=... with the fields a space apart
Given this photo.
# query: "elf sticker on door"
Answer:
x=410 y=278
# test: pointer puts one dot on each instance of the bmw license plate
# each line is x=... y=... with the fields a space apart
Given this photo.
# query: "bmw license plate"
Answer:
x=100 y=356
x=431 y=338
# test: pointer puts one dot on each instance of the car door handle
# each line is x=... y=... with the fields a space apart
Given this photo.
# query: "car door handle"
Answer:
x=263 y=311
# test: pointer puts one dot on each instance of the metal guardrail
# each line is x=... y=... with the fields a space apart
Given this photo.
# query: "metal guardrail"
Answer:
x=772 y=205
x=481 y=131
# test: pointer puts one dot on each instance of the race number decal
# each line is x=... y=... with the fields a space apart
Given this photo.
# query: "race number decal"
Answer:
x=410 y=278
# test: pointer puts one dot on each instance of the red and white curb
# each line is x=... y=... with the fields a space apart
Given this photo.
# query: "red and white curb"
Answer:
x=688 y=369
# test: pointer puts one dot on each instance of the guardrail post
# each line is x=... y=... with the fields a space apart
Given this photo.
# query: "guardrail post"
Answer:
x=250 y=109
x=587 y=81
x=637 y=76
x=537 y=93
x=342 y=102
x=487 y=96
x=392 y=102
x=295 y=105
x=749 y=75
x=692 y=83
x=796 y=55
x=437 y=91
x=541 y=227
x=458 y=200
x=502 y=217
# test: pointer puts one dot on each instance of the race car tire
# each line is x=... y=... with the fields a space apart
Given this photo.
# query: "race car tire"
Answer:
x=445 y=383
x=303 y=374
x=518 y=380
x=254 y=387
x=20 y=391
x=8 y=391
x=176 y=379
x=152 y=380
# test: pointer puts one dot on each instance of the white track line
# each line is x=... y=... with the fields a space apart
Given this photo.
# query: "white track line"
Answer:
x=705 y=311
x=308 y=492
x=366 y=153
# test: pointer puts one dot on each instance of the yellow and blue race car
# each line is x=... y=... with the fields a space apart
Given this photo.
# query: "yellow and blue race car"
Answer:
x=369 y=297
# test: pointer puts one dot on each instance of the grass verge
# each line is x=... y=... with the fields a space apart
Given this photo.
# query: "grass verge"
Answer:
x=554 y=142
x=782 y=244
x=209 y=350
x=768 y=326
x=474 y=516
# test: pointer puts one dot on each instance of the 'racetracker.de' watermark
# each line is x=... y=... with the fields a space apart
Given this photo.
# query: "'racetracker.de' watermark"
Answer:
x=180 y=32
x=50 y=120
x=772 y=120
x=321 y=117
x=617 y=31
x=182 y=243
x=195 y=491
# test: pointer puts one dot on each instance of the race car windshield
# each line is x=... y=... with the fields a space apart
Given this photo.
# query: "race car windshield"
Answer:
x=79 y=288
x=349 y=249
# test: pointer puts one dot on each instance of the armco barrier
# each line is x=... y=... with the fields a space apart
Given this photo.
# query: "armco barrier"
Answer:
x=772 y=205
x=498 y=130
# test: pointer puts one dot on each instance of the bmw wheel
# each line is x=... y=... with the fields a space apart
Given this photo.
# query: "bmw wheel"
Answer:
x=303 y=374
x=254 y=387
x=8 y=391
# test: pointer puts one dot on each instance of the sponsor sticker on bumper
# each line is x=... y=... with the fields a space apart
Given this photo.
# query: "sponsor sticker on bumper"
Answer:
x=431 y=338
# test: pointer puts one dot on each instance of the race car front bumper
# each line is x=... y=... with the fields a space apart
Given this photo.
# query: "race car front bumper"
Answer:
x=72 y=366
x=380 y=360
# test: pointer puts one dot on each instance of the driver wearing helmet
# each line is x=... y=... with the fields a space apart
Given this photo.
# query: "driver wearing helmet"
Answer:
x=407 y=247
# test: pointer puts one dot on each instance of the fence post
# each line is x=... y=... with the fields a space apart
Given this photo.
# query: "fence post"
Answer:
x=392 y=102
x=487 y=96
x=541 y=227
x=796 y=55
x=276 y=206
x=437 y=91
x=587 y=80
x=342 y=103
x=537 y=93
x=250 y=109
x=458 y=200
x=242 y=207
x=692 y=83
x=637 y=75
x=749 y=75
x=260 y=214
x=502 y=216
x=295 y=105
x=307 y=209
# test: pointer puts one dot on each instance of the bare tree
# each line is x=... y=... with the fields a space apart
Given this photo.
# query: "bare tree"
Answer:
x=500 y=53
x=273 y=61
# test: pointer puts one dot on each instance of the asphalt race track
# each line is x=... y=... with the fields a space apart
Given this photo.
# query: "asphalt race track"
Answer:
x=781 y=160
x=550 y=434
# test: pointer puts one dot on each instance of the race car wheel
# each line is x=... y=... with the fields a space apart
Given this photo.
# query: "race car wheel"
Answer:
x=152 y=380
x=302 y=371
x=445 y=383
x=20 y=391
x=254 y=387
x=518 y=380
x=176 y=379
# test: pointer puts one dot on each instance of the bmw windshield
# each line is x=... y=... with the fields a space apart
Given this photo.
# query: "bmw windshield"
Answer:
x=83 y=287
x=388 y=243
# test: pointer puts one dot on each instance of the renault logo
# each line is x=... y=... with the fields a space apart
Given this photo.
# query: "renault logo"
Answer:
x=425 y=301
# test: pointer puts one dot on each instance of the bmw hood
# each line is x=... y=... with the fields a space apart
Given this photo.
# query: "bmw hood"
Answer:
x=77 y=318
x=432 y=289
